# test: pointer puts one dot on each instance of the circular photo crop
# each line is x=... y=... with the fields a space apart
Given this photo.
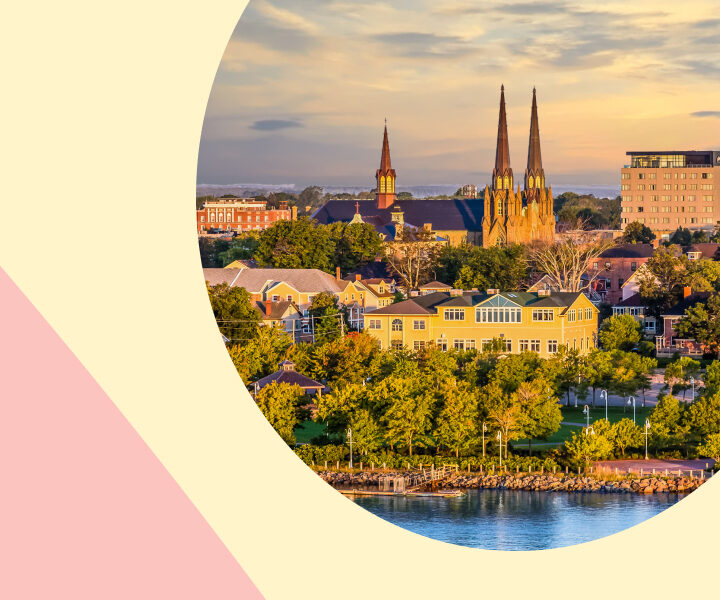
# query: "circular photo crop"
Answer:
x=464 y=255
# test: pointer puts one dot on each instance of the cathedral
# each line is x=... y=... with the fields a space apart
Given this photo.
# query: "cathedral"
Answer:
x=517 y=217
x=503 y=216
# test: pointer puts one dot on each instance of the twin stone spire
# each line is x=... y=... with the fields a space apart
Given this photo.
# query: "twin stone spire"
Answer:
x=502 y=177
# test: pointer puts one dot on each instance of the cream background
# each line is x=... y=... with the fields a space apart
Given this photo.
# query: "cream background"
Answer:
x=102 y=111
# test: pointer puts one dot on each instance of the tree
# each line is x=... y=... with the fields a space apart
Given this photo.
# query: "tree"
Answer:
x=458 y=420
x=681 y=236
x=328 y=320
x=261 y=355
x=702 y=323
x=662 y=279
x=237 y=318
x=637 y=233
x=242 y=247
x=679 y=372
x=412 y=256
x=563 y=369
x=501 y=412
x=666 y=428
x=279 y=403
x=566 y=262
x=296 y=245
x=311 y=196
x=596 y=371
x=339 y=407
x=584 y=447
x=366 y=432
x=492 y=268
x=620 y=332
x=625 y=434
x=345 y=359
x=540 y=414
x=408 y=416
x=356 y=244
x=703 y=416
x=711 y=447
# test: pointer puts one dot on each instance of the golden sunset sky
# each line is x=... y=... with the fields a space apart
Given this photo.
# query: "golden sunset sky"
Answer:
x=304 y=87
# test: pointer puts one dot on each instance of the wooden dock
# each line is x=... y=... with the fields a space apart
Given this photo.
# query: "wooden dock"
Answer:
x=443 y=494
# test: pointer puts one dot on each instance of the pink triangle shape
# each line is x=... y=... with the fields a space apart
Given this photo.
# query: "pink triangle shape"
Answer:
x=87 y=510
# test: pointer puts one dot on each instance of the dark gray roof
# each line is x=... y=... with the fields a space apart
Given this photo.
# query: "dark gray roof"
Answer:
x=291 y=378
x=707 y=249
x=453 y=215
x=691 y=300
x=634 y=300
x=629 y=251
x=436 y=285
x=420 y=305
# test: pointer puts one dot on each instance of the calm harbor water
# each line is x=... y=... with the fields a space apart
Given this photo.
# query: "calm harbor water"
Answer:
x=518 y=520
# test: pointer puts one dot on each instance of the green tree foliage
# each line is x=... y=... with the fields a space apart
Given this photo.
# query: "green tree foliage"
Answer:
x=367 y=434
x=260 y=356
x=458 y=420
x=279 y=403
x=625 y=434
x=564 y=370
x=703 y=275
x=712 y=379
x=296 y=245
x=662 y=279
x=540 y=414
x=237 y=318
x=702 y=323
x=620 y=332
x=242 y=247
x=346 y=359
x=679 y=372
x=356 y=244
x=502 y=413
x=666 y=423
x=574 y=210
x=329 y=321
x=703 y=416
x=408 y=417
x=637 y=233
x=467 y=267
x=711 y=447
x=311 y=196
x=584 y=447
x=338 y=408
x=681 y=237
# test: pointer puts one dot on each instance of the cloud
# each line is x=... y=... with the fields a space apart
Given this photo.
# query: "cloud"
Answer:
x=415 y=44
x=284 y=18
x=275 y=125
x=706 y=113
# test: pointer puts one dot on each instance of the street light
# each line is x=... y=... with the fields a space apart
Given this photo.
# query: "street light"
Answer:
x=647 y=428
x=484 y=429
x=499 y=439
x=630 y=400
x=692 y=381
x=589 y=430
x=586 y=412
x=349 y=438
x=603 y=393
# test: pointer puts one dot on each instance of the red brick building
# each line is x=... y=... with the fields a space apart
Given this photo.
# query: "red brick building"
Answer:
x=669 y=343
x=240 y=215
x=615 y=266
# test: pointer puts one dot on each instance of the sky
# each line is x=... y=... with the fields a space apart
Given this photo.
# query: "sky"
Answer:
x=304 y=87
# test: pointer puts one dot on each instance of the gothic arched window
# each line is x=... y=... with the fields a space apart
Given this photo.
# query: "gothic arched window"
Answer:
x=382 y=184
x=507 y=182
x=499 y=183
x=531 y=182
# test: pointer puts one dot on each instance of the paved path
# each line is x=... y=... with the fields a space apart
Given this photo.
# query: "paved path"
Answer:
x=658 y=464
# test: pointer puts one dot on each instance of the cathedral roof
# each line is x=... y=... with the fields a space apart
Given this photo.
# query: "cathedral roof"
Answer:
x=457 y=214
x=502 y=152
x=534 y=157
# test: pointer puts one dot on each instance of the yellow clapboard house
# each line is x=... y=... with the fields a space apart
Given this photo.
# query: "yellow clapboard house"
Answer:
x=538 y=322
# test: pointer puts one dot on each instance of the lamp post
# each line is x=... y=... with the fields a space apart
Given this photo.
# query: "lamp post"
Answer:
x=349 y=438
x=647 y=428
x=603 y=393
x=576 y=391
x=630 y=400
x=586 y=412
x=692 y=381
x=484 y=429
x=499 y=439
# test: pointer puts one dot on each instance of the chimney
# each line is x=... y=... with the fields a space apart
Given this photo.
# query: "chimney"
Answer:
x=268 y=307
x=337 y=273
x=687 y=290
x=492 y=292
x=294 y=213
x=543 y=292
x=358 y=277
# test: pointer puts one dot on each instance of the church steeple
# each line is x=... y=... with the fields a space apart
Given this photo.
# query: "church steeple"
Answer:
x=534 y=174
x=385 y=176
x=502 y=173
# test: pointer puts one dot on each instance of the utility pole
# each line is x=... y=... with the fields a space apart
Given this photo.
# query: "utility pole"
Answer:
x=350 y=442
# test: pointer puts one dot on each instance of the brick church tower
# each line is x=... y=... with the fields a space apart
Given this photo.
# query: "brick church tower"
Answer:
x=385 y=177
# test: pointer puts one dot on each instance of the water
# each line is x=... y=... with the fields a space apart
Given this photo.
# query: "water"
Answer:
x=518 y=520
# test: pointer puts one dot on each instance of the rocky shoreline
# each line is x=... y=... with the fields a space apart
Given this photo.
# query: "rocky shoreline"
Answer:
x=530 y=482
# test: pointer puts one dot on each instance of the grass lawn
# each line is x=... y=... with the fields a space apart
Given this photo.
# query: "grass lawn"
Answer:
x=307 y=430
x=575 y=415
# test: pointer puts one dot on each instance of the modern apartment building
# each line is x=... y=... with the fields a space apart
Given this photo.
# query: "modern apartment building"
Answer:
x=537 y=322
x=667 y=190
